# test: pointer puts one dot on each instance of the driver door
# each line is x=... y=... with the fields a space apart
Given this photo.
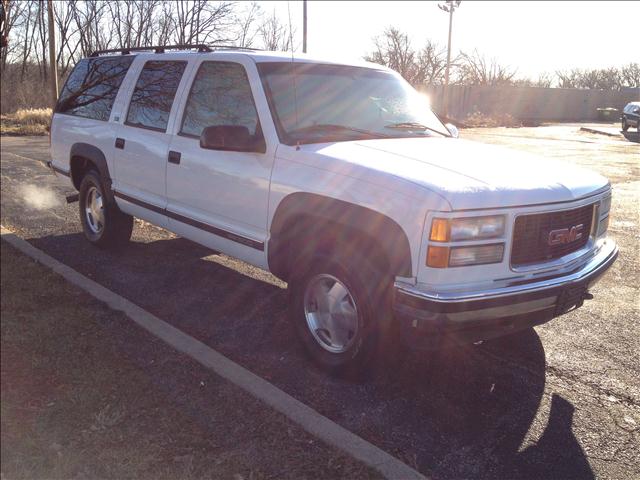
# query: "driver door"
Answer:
x=219 y=198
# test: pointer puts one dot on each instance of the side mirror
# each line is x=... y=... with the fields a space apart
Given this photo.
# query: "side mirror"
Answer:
x=233 y=138
x=453 y=130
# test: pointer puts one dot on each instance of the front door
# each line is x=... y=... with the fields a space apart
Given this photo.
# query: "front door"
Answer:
x=220 y=198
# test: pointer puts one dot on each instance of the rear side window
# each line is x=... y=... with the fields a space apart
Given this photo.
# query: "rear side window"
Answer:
x=220 y=95
x=153 y=96
x=92 y=87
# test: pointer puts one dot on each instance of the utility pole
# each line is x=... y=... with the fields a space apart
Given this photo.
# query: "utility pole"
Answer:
x=304 y=26
x=448 y=6
x=52 y=56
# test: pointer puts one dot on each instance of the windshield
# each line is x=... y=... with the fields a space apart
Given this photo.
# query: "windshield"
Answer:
x=339 y=103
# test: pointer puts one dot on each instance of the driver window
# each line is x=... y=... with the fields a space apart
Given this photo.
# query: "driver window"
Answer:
x=220 y=95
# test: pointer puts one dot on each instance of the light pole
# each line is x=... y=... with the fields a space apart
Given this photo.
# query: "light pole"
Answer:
x=448 y=6
x=52 y=55
x=304 y=26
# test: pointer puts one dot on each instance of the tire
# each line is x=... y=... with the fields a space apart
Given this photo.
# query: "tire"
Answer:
x=103 y=224
x=625 y=125
x=344 y=341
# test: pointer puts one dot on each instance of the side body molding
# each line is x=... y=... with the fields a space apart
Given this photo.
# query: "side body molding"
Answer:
x=385 y=232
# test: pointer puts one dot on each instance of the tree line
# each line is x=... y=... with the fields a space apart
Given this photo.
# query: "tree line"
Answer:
x=83 y=26
x=425 y=66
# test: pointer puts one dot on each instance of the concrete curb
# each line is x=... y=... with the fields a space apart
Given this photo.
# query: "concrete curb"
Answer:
x=599 y=132
x=310 y=420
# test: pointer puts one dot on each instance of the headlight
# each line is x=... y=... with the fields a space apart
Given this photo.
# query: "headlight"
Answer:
x=445 y=230
x=471 y=228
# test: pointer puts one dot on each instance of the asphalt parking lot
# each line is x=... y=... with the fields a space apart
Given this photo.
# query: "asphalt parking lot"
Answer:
x=562 y=401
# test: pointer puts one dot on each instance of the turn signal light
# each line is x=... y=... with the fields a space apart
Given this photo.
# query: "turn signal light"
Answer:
x=437 y=257
x=439 y=230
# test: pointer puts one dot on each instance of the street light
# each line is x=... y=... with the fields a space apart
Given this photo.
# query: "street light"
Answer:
x=448 y=6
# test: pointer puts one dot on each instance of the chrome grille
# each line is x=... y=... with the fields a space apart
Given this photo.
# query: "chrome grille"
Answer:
x=531 y=233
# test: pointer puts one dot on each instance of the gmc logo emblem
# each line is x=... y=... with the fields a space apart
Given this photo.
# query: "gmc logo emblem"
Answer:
x=565 y=235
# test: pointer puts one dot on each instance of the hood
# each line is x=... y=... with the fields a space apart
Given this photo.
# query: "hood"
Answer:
x=470 y=175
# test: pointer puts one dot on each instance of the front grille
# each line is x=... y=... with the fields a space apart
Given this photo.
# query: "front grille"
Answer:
x=531 y=234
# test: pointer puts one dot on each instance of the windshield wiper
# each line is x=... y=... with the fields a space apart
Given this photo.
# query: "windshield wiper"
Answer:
x=334 y=128
x=413 y=126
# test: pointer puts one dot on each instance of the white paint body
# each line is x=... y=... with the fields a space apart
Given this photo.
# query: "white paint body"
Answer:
x=409 y=180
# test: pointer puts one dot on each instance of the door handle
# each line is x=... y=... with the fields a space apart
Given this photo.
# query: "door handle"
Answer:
x=120 y=143
x=174 y=157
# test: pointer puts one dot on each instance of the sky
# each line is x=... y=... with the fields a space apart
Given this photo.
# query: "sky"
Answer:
x=534 y=37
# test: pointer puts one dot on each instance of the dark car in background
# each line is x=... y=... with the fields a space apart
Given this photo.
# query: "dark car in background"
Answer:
x=631 y=116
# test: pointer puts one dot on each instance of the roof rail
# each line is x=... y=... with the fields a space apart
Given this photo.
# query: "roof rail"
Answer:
x=234 y=47
x=156 y=49
x=201 y=48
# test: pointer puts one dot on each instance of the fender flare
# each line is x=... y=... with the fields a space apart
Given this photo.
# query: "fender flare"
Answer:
x=387 y=234
x=94 y=155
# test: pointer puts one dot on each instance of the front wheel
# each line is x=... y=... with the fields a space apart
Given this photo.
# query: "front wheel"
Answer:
x=339 y=310
x=103 y=224
x=625 y=125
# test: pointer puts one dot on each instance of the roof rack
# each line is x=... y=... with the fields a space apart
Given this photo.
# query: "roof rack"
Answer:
x=201 y=48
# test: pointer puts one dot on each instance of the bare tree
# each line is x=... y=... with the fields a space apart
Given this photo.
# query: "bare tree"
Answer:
x=275 y=35
x=67 y=48
x=630 y=75
x=601 y=78
x=419 y=67
x=393 y=49
x=246 y=21
x=200 y=21
x=431 y=64
x=11 y=15
x=476 y=69
x=544 y=80
x=89 y=17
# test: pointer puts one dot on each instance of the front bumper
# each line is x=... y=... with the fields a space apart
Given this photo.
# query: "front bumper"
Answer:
x=433 y=320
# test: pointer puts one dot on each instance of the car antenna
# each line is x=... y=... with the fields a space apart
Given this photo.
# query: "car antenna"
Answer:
x=293 y=68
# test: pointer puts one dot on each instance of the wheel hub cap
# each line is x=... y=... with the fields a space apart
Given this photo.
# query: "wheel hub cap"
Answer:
x=331 y=313
x=94 y=210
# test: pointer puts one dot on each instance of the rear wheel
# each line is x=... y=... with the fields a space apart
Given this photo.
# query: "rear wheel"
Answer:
x=339 y=308
x=103 y=224
x=625 y=125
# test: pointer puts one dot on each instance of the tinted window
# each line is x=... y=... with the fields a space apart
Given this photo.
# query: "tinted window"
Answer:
x=220 y=95
x=92 y=87
x=153 y=96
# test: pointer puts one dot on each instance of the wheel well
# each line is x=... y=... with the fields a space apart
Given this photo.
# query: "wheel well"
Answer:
x=79 y=167
x=305 y=224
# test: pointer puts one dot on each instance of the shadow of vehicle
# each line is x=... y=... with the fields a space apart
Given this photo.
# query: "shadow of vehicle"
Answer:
x=462 y=412
x=631 y=136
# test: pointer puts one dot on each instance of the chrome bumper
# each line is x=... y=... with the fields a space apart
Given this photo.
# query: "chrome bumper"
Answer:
x=495 y=311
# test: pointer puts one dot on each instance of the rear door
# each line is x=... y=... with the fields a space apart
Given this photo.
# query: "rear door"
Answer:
x=142 y=143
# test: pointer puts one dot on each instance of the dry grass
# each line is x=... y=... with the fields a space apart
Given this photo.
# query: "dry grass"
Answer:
x=86 y=394
x=33 y=116
x=479 y=119
x=28 y=121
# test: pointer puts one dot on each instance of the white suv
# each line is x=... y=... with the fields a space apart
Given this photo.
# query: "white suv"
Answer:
x=338 y=179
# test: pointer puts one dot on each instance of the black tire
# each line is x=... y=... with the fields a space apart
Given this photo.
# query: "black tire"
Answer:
x=625 y=125
x=116 y=225
x=371 y=293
